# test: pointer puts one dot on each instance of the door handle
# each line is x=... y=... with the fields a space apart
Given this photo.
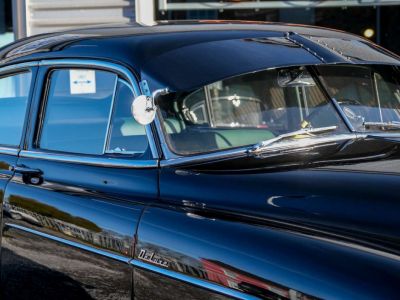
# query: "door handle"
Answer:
x=27 y=171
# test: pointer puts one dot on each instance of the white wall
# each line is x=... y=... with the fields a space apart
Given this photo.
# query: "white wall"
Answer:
x=55 y=15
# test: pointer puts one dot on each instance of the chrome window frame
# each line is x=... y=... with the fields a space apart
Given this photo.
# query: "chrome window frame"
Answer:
x=171 y=159
x=93 y=160
x=45 y=102
x=10 y=71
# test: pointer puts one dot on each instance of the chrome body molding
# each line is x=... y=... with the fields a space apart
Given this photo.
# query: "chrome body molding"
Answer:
x=244 y=151
x=70 y=243
x=181 y=160
x=194 y=281
x=139 y=264
x=9 y=151
x=91 y=160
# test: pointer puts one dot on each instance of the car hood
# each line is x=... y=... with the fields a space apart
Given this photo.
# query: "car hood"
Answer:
x=359 y=201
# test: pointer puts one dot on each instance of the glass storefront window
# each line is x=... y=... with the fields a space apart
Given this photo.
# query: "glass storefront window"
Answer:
x=377 y=23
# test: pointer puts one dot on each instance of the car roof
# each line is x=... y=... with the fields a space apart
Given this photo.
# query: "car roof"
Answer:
x=186 y=55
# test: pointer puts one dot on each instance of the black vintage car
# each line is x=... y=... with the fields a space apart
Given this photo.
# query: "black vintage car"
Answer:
x=199 y=160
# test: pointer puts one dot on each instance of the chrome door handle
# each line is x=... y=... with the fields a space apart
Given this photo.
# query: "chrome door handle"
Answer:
x=27 y=171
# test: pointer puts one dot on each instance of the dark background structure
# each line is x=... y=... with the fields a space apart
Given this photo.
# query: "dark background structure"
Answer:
x=383 y=20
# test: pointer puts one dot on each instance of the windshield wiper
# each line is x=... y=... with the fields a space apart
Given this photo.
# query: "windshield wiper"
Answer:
x=382 y=125
x=266 y=145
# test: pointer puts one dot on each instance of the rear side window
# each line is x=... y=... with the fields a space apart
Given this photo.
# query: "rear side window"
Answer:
x=14 y=96
x=88 y=112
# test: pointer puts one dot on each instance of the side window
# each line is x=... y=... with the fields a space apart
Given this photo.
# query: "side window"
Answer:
x=126 y=135
x=88 y=112
x=14 y=96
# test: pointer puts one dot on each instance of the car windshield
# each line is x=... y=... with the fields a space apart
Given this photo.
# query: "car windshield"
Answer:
x=368 y=95
x=246 y=110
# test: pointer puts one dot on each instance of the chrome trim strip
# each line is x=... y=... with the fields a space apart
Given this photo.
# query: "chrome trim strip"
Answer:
x=342 y=114
x=110 y=116
x=89 y=160
x=378 y=98
x=167 y=153
x=323 y=87
x=9 y=151
x=194 y=281
x=152 y=142
x=19 y=66
x=136 y=263
x=71 y=243
x=180 y=160
x=243 y=151
x=383 y=134
x=113 y=67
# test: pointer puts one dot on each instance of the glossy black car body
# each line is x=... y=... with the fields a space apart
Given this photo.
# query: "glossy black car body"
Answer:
x=164 y=226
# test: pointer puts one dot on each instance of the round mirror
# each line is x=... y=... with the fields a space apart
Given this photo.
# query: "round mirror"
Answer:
x=143 y=110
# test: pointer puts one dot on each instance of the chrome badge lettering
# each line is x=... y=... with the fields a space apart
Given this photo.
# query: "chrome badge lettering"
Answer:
x=152 y=257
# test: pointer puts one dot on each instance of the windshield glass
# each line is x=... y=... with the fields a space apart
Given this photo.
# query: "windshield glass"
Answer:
x=368 y=95
x=246 y=110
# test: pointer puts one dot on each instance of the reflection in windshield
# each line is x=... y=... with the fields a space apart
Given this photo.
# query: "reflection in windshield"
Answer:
x=368 y=95
x=246 y=110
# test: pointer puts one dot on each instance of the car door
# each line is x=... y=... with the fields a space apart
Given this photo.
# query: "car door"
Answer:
x=16 y=87
x=79 y=187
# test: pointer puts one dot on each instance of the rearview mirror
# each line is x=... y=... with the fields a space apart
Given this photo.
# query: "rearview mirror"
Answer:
x=295 y=78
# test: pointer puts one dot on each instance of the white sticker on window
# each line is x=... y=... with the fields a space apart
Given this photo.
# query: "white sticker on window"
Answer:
x=82 y=81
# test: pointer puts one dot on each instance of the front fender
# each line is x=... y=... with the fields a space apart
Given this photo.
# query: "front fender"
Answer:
x=261 y=261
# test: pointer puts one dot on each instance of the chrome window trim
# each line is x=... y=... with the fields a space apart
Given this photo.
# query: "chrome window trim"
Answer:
x=12 y=68
x=243 y=151
x=70 y=243
x=9 y=151
x=112 y=67
x=172 y=159
x=101 y=161
x=110 y=116
x=168 y=154
x=193 y=281
x=198 y=158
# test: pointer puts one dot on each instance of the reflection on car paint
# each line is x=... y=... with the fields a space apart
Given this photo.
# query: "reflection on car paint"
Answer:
x=79 y=228
x=38 y=268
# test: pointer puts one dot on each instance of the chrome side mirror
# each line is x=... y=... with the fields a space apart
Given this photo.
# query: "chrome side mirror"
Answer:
x=143 y=107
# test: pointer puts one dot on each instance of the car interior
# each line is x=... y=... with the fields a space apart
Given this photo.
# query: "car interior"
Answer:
x=241 y=111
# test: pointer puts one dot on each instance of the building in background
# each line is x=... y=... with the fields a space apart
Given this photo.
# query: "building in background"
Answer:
x=42 y=16
x=375 y=19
